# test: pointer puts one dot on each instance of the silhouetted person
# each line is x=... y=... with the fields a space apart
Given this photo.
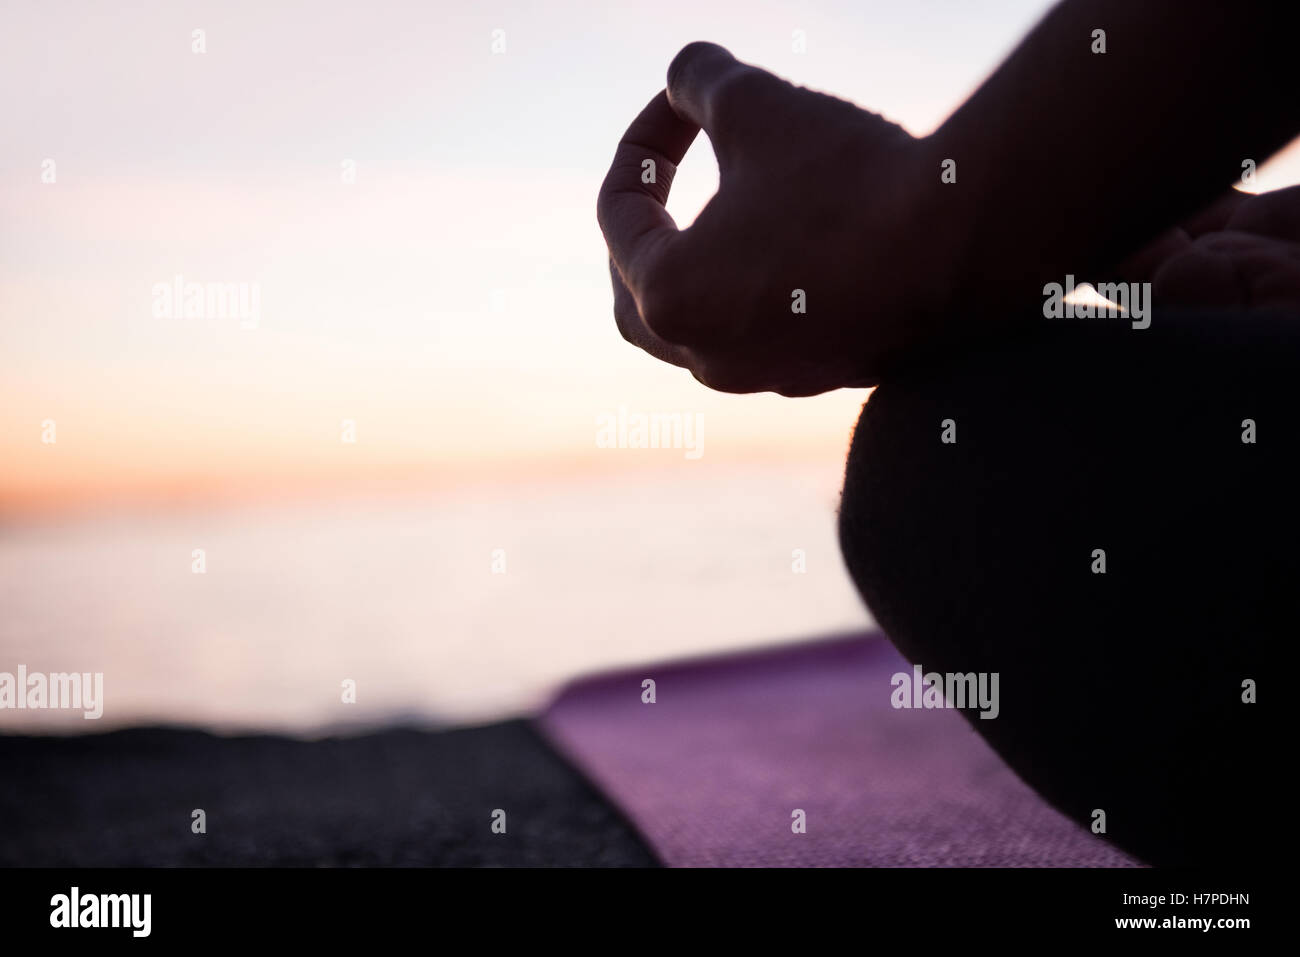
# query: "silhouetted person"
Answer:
x=1100 y=510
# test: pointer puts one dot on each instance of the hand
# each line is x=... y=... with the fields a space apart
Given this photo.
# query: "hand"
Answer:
x=814 y=201
x=1244 y=252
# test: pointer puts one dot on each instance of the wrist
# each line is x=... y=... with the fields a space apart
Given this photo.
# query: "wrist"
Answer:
x=941 y=227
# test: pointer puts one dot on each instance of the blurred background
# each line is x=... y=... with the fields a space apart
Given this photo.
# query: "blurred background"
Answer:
x=389 y=469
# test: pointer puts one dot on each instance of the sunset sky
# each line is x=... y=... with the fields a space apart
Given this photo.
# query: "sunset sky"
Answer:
x=452 y=301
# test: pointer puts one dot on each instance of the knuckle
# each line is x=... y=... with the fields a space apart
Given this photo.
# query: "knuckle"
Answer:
x=724 y=376
x=625 y=323
x=664 y=294
x=629 y=323
x=689 y=55
x=739 y=93
x=665 y=313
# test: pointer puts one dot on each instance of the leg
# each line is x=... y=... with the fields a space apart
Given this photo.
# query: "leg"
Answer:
x=1120 y=691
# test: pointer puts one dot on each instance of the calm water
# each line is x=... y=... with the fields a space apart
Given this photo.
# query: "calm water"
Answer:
x=400 y=596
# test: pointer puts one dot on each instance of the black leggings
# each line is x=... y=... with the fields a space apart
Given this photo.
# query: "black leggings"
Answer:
x=1119 y=691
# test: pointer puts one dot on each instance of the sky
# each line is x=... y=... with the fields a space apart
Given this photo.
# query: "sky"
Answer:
x=451 y=300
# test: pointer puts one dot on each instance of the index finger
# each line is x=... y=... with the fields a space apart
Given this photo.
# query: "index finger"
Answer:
x=630 y=207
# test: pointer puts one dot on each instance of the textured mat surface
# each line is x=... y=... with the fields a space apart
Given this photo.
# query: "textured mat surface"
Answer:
x=712 y=772
x=391 y=798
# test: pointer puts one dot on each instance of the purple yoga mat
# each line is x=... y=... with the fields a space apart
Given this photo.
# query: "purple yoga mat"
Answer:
x=712 y=772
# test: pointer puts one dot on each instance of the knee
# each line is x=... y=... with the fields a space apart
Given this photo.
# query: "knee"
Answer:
x=977 y=494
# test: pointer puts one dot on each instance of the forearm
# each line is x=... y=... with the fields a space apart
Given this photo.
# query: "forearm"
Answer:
x=1067 y=160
